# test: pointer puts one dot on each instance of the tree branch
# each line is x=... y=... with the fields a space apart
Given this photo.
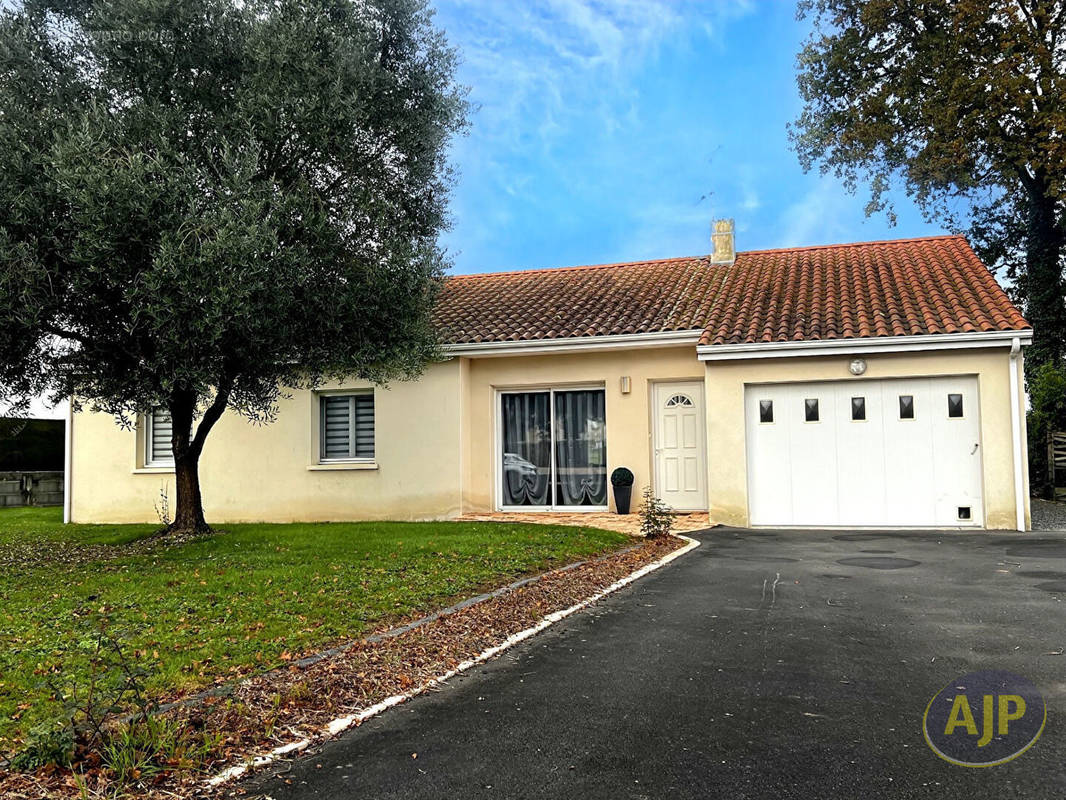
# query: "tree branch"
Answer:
x=65 y=334
x=211 y=416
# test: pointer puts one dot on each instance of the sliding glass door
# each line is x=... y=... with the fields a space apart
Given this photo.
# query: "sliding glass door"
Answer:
x=527 y=446
x=580 y=448
x=554 y=449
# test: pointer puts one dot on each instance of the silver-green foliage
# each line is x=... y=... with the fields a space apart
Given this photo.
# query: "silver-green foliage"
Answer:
x=202 y=201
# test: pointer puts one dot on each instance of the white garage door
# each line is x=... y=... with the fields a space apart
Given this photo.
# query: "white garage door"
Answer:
x=865 y=453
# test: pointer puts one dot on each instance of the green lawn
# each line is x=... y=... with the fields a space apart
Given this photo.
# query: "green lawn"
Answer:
x=246 y=598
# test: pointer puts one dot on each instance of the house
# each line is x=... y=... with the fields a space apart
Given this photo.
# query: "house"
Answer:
x=864 y=385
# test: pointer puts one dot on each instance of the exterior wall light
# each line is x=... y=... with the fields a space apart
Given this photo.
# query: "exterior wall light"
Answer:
x=857 y=366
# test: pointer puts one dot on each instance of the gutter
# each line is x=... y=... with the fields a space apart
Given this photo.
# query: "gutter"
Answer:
x=1016 y=434
x=869 y=344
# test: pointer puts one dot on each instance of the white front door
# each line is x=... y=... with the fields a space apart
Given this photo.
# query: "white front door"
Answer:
x=680 y=445
x=871 y=453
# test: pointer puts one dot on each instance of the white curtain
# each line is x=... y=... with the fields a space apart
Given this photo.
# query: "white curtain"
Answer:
x=527 y=449
x=580 y=449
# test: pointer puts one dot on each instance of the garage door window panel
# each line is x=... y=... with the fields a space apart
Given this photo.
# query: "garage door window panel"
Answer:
x=810 y=410
x=766 y=411
x=906 y=406
x=858 y=409
x=955 y=406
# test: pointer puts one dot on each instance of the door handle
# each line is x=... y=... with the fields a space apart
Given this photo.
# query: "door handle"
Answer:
x=975 y=446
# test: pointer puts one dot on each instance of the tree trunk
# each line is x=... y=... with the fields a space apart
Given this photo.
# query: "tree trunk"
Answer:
x=189 y=508
x=1043 y=283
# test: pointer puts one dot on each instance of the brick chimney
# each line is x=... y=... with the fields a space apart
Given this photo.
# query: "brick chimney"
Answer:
x=722 y=241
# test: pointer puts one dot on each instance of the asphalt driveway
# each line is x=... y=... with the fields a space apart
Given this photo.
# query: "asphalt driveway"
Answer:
x=762 y=664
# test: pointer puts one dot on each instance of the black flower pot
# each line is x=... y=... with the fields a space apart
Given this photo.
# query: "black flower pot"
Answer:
x=622 y=495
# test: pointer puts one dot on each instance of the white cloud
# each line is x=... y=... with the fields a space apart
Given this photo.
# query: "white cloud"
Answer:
x=540 y=66
x=823 y=215
x=749 y=199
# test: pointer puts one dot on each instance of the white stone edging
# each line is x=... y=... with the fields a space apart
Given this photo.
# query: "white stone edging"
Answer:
x=343 y=723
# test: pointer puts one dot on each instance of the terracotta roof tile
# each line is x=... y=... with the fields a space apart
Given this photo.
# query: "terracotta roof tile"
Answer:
x=894 y=288
x=603 y=300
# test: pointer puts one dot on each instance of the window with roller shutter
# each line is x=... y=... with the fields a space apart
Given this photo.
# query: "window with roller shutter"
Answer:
x=159 y=451
x=347 y=422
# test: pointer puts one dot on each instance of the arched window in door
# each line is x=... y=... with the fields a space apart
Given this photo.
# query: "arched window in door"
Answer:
x=682 y=400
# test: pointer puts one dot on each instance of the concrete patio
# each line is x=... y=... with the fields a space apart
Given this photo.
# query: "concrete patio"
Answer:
x=623 y=523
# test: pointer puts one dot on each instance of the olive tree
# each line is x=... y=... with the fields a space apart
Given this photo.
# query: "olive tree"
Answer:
x=204 y=202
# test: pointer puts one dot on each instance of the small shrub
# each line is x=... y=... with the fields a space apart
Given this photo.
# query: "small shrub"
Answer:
x=162 y=508
x=83 y=727
x=47 y=745
x=621 y=477
x=656 y=518
x=129 y=753
x=299 y=694
x=144 y=748
x=115 y=684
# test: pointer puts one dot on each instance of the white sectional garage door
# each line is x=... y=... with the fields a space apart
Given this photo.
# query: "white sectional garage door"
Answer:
x=865 y=453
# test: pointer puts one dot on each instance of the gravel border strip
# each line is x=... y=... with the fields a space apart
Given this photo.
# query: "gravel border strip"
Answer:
x=341 y=724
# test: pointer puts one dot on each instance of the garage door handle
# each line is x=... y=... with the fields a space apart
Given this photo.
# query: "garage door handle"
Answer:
x=976 y=445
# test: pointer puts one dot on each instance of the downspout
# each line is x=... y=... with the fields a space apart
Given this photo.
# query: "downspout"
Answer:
x=1016 y=435
x=68 y=452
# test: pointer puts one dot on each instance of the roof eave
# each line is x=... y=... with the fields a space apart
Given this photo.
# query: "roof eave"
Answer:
x=880 y=344
x=575 y=344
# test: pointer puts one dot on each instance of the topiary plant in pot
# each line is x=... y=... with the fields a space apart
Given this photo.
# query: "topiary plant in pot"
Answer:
x=622 y=481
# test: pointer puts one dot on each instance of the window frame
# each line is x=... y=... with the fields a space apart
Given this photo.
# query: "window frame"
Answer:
x=321 y=397
x=150 y=461
x=497 y=468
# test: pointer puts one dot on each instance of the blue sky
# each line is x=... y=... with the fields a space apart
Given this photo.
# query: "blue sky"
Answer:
x=601 y=125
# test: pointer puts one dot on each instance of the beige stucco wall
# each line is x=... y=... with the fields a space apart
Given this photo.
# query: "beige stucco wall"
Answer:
x=436 y=438
x=270 y=472
x=433 y=436
x=726 y=448
x=628 y=415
